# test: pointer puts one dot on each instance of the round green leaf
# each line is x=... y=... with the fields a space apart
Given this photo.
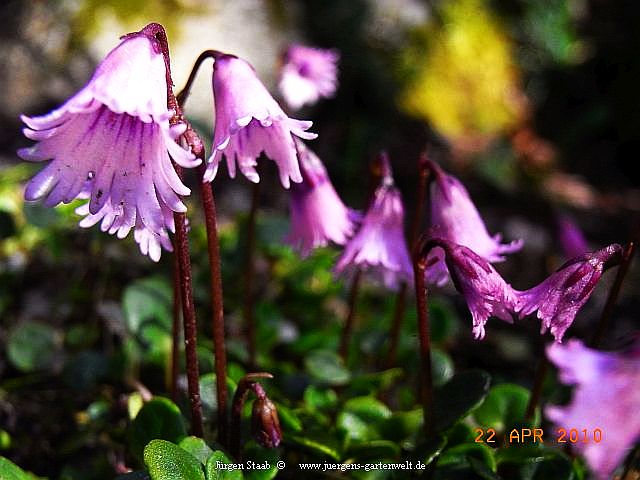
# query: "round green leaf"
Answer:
x=214 y=473
x=10 y=471
x=158 y=419
x=167 y=461
x=326 y=366
x=505 y=405
x=460 y=454
x=459 y=397
x=362 y=418
x=31 y=346
x=196 y=447
x=148 y=300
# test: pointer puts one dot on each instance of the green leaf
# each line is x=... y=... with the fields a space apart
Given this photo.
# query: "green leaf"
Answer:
x=261 y=462
x=167 y=461
x=326 y=366
x=214 y=472
x=10 y=471
x=147 y=300
x=288 y=419
x=443 y=319
x=531 y=462
x=459 y=396
x=208 y=394
x=318 y=398
x=158 y=419
x=196 y=447
x=460 y=454
x=316 y=443
x=441 y=367
x=372 y=383
x=31 y=346
x=504 y=406
x=362 y=417
x=374 y=450
x=401 y=426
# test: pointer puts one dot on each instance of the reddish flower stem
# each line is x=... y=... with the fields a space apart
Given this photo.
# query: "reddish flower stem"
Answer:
x=401 y=295
x=538 y=382
x=157 y=32
x=175 y=328
x=215 y=280
x=426 y=384
x=215 y=273
x=249 y=275
x=347 y=329
x=605 y=319
x=189 y=321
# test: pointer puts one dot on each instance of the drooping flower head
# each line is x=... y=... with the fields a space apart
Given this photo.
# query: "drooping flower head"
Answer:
x=113 y=139
x=380 y=246
x=308 y=74
x=571 y=238
x=605 y=403
x=485 y=291
x=248 y=122
x=318 y=216
x=459 y=221
x=559 y=298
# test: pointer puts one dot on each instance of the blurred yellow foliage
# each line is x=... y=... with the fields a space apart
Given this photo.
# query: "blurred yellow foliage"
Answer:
x=465 y=81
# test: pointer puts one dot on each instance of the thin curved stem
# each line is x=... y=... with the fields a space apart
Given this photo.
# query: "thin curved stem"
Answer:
x=175 y=328
x=426 y=384
x=184 y=93
x=349 y=323
x=215 y=280
x=605 y=319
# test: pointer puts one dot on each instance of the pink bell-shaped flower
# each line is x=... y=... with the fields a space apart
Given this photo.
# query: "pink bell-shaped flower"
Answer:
x=380 y=246
x=605 y=405
x=307 y=75
x=559 y=298
x=248 y=122
x=459 y=221
x=318 y=216
x=485 y=291
x=113 y=139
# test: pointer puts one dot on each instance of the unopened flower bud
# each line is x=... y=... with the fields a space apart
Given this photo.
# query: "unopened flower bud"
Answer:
x=265 y=423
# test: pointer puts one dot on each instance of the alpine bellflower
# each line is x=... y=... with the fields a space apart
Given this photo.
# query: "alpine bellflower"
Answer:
x=111 y=143
x=307 y=75
x=249 y=121
x=380 y=246
x=605 y=403
x=317 y=213
x=559 y=298
x=459 y=221
x=485 y=291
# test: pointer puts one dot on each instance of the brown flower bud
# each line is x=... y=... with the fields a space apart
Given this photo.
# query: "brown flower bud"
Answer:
x=265 y=423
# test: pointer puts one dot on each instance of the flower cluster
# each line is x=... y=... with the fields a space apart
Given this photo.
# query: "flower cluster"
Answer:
x=114 y=142
x=460 y=240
